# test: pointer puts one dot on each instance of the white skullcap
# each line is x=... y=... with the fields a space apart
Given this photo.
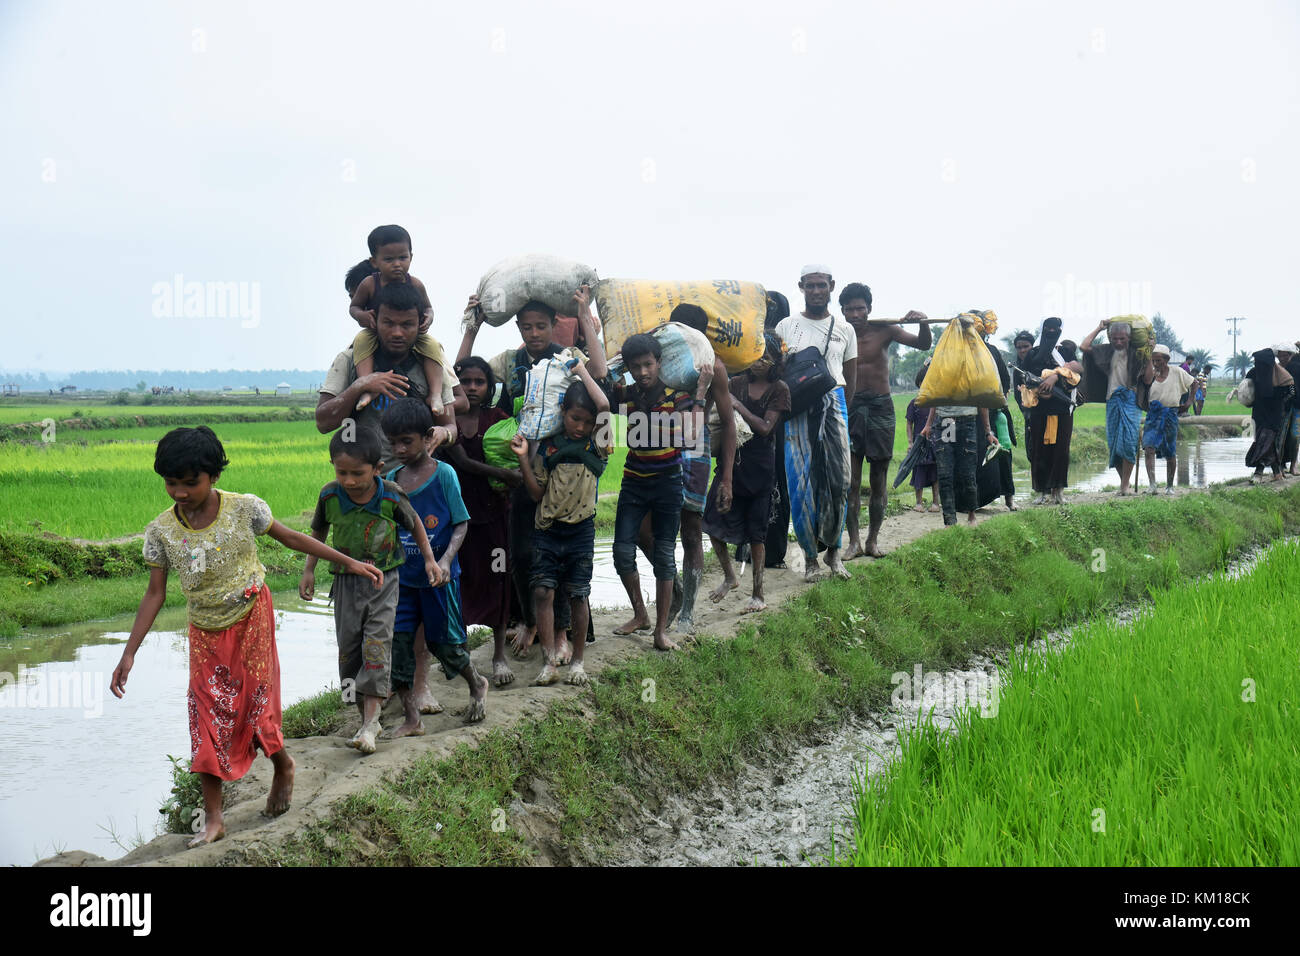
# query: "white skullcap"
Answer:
x=814 y=268
x=1283 y=347
x=1160 y=350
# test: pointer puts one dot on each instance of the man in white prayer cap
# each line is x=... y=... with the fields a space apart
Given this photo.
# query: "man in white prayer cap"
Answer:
x=1168 y=397
x=817 y=437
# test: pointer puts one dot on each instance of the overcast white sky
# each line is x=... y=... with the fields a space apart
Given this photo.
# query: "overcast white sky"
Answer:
x=1033 y=158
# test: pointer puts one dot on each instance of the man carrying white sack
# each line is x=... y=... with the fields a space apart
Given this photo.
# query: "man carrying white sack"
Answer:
x=817 y=460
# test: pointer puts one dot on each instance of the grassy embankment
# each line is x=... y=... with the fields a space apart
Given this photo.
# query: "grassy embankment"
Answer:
x=1169 y=741
x=672 y=722
x=97 y=483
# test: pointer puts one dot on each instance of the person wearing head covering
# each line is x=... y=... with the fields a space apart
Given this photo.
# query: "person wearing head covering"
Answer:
x=1274 y=396
x=762 y=400
x=817 y=440
x=925 y=472
x=1049 y=405
x=1290 y=359
x=778 y=525
x=1023 y=344
x=1114 y=373
x=1169 y=397
x=993 y=476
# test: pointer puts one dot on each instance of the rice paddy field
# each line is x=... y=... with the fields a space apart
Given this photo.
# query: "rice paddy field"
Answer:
x=99 y=483
x=1166 y=741
x=12 y=413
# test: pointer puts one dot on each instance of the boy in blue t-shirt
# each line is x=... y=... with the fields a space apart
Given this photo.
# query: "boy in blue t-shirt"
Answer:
x=434 y=493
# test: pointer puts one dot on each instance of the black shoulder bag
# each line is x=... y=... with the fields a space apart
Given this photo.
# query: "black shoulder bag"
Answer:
x=808 y=375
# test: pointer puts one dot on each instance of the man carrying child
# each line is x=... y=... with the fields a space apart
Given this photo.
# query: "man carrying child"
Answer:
x=401 y=374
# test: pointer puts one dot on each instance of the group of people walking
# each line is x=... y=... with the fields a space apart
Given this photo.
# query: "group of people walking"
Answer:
x=418 y=504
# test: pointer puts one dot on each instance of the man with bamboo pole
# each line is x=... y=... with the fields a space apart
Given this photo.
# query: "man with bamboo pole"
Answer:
x=871 y=410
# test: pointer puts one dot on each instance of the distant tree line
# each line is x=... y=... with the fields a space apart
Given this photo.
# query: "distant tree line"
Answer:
x=138 y=380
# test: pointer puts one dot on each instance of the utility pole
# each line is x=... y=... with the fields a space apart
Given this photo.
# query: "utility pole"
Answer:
x=1234 y=322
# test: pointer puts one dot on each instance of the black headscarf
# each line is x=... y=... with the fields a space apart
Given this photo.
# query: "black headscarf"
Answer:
x=1040 y=356
x=778 y=308
x=1264 y=362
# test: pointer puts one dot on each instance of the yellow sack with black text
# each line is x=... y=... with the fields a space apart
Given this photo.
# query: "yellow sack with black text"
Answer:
x=962 y=371
x=736 y=311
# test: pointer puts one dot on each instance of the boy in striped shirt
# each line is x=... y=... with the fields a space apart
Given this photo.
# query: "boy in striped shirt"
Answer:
x=660 y=422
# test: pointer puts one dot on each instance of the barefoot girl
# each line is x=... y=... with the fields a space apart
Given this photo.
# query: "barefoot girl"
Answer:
x=484 y=555
x=762 y=400
x=208 y=537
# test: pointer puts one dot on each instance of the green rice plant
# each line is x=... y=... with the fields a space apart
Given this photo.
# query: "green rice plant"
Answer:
x=185 y=799
x=661 y=723
x=109 y=489
x=314 y=716
x=1169 y=741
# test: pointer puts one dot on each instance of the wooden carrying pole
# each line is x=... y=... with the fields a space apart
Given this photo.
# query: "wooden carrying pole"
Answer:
x=907 y=321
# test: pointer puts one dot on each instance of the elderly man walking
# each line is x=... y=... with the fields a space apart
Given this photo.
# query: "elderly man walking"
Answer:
x=1114 y=373
x=817 y=438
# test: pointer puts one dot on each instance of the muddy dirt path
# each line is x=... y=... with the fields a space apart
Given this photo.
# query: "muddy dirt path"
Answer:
x=328 y=770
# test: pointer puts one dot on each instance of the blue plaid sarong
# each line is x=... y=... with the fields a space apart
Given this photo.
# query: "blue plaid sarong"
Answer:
x=1160 y=430
x=817 y=472
x=1122 y=419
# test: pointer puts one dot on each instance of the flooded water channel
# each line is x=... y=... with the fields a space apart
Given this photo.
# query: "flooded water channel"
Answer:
x=83 y=770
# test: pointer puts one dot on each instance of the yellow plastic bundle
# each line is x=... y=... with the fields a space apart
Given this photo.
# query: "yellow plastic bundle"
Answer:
x=986 y=322
x=962 y=371
x=736 y=312
x=1143 y=336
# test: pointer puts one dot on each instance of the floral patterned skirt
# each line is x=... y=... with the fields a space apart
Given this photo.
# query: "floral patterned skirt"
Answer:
x=234 y=697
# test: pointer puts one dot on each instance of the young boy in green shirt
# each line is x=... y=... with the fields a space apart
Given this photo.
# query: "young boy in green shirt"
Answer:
x=362 y=512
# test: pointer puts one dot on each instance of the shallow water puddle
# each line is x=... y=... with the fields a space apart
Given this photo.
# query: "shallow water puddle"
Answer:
x=80 y=764
x=82 y=767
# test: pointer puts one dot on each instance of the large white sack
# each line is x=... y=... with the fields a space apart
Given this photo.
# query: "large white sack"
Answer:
x=685 y=352
x=548 y=380
x=508 y=285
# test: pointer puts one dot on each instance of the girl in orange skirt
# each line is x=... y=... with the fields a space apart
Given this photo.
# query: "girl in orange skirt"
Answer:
x=208 y=537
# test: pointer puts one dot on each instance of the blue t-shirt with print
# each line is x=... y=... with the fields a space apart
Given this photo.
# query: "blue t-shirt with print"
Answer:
x=440 y=507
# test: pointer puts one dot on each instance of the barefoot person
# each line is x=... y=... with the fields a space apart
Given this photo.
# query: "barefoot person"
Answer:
x=697 y=463
x=925 y=472
x=1049 y=411
x=390 y=258
x=434 y=492
x=1114 y=373
x=871 y=411
x=537 y=326
x=361 y=512
x=208 y=537
x=762 y=400
x=953 y=429
x=817 y=456
x=778 y=523
x=652 y=476
x=564 y=479
x=1170 y=395
x=1275 y=392
x=993 y=476
x=485 y=555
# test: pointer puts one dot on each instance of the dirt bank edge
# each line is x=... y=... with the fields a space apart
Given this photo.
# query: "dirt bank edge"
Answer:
x=562 y=777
